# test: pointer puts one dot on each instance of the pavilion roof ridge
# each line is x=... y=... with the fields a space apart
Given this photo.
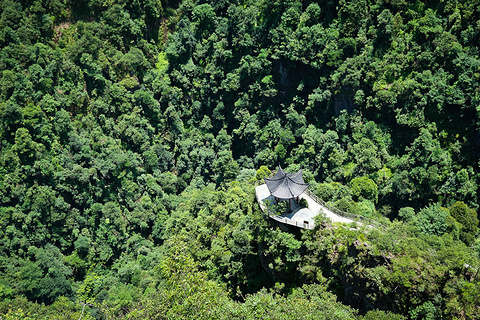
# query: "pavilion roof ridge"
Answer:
x=286 y=186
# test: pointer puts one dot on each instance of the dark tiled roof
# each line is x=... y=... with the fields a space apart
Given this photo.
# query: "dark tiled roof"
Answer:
x=286 y=186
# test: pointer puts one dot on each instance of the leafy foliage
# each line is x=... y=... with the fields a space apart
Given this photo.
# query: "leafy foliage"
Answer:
x=132 y=133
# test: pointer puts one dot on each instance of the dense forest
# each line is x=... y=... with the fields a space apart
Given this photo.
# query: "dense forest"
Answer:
x=133 y=133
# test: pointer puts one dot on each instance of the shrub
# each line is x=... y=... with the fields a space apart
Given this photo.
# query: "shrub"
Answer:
x=303 y=203
x=262 y=173
x=282 y=207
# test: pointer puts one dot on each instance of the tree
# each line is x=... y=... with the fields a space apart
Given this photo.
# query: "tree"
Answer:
x=436 y=220
x=225 y=167
x=364 y=187
x=184 y=292
x=468 y=219
x=262 y=172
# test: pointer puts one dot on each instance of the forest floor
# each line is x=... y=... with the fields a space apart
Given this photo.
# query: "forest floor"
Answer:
x=299 y=216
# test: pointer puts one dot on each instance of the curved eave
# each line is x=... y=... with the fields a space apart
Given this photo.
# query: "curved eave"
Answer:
x=288 y=193
x=286 y=186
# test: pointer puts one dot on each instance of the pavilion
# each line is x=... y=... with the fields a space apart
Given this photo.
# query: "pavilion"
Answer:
x=286 y=186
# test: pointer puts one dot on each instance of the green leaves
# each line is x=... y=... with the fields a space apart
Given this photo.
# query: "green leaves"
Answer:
x=124 y=126
x=365 y=188
x=435 y=220
x=468 y=219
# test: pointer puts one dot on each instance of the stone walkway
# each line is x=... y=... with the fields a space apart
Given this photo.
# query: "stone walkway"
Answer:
x=300 y=217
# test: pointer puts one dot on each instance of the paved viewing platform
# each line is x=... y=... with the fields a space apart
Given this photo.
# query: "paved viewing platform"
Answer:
x=299 y=216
